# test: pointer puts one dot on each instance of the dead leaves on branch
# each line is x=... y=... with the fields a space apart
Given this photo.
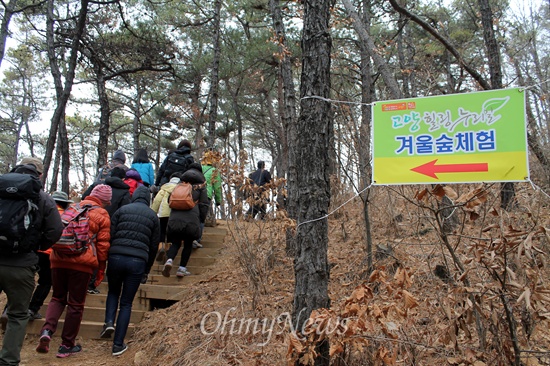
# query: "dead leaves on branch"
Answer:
x=471 y=201
x=363 y=322
x=502 y=274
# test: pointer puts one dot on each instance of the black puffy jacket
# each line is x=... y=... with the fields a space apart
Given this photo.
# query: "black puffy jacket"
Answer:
x=188 y=221
x=176 y=161
x=135 y=229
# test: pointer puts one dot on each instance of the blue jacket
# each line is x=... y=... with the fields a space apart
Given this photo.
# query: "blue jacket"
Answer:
x=146 y=171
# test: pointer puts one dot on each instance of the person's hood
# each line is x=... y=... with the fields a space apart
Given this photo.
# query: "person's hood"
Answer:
x=26 y=169
x=116 y=182
x=193 y=176
x=184 y=150
x=142 y=194
x=120 y=156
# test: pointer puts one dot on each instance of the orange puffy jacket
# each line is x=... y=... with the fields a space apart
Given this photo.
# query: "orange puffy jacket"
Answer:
x=100 y=225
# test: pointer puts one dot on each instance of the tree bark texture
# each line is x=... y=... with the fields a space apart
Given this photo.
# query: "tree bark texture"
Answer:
x=314 y=131
x=287 y=110
x=65 y=155
x=136 y=123
x=507 y=190
x=63 y=92
x=491 y=44
x=4 y=26
x=381 y=64
x=444 y=41
x=364 y=143
x=104 y=117
x=214 y=79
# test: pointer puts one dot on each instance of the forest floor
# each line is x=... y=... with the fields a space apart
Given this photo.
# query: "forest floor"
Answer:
x=236 y=315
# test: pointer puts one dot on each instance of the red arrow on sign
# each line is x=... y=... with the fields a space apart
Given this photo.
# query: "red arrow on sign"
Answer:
x=430 y=169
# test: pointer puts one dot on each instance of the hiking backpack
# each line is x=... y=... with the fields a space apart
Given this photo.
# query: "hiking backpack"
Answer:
x=178 y=163
x=75 y=238
x=19 y=196
x=104 y=172
x=181 y=197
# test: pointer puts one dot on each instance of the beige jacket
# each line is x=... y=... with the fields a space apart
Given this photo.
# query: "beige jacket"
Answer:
x=160 y=203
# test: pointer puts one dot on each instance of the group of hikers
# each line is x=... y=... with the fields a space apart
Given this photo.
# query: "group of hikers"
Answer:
x=120 y=225
x=125 y=219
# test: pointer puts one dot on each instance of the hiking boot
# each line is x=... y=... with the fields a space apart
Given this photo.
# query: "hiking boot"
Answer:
x=182 y=272
x=196 y=244
x=93 y=291
x=161 y=255
x=34 y=315
x=65 y=351
x=44 y=341
x=4 y=319
x=118 y=350
x=108 y=329
x=167 y=268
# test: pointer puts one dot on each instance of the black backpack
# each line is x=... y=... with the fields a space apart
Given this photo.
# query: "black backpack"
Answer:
x=19 y=196
x=178 y=163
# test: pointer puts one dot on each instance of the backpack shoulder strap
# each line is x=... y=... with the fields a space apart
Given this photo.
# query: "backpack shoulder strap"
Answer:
x=197 y=187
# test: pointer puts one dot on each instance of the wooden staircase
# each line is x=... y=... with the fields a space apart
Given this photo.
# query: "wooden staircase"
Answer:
x=157 y=290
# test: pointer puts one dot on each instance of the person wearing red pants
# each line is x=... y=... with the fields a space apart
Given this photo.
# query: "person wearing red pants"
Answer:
x=71 y=274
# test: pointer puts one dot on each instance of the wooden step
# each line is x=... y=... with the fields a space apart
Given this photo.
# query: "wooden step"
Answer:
x=166 y=292
x=204 y=252
x=159 y=279
x=98 y=314
x=99 y=301
x=88 y=329
x=209 y=245
x=217 y=230
x=193 y=262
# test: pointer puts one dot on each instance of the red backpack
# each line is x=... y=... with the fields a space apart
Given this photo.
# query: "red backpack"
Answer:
x=75 y=238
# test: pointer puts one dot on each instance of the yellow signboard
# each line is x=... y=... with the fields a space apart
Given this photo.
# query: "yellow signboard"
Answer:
x=473 y=137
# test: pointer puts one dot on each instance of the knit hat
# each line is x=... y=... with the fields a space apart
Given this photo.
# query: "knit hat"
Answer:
x=59 y=196
x=184 y=143
x=118 y=172
x=103 y=192
x=34 y=161
x=134 y=174
x=119 y=155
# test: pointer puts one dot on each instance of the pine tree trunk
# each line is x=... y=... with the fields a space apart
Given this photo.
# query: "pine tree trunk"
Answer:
x=4 y=26
x=104 y=118
x=63 y=91
x=214 y=80
x=314 y=131
x=288 y=114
